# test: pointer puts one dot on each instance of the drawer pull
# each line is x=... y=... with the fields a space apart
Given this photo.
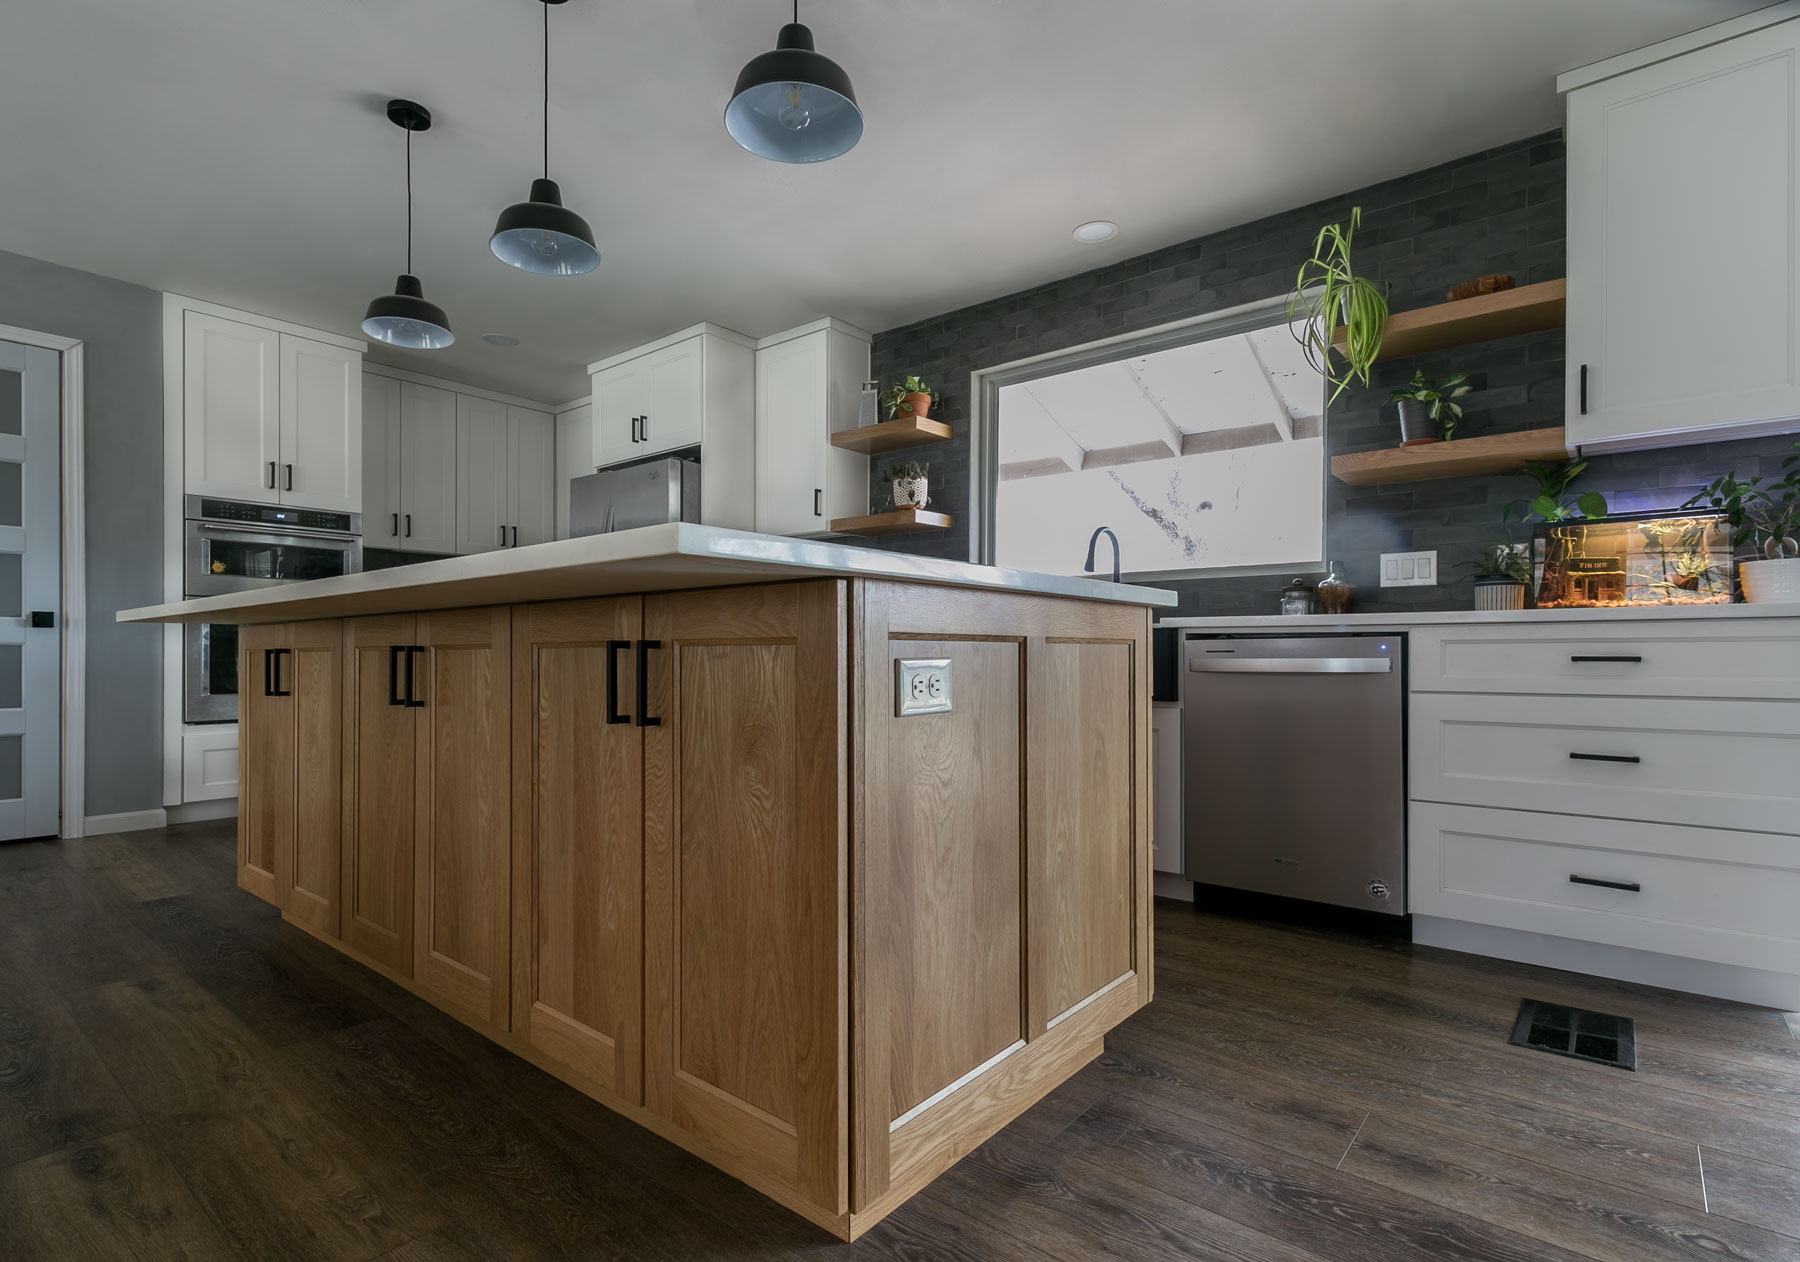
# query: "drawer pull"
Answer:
x=1605 y=657
x=1630 y=887
x=1632 y=758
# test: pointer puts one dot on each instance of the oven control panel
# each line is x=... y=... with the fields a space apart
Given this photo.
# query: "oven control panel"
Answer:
x=270 y=515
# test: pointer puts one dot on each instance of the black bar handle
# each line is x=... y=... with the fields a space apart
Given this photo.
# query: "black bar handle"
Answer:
x=1583 y=389
x=396 y=525
x=1630 y=887
x=515 y=536
x=411 y=702
x=409 y=525
x=1633 y=758
x=274 y=659
x=1604 y=657
x=818 y=504
x=271 y=475
x=644 y=428
x=290 y=478
x=503 y=536
x=613 y=648
x=644 y=717
x=394 y=697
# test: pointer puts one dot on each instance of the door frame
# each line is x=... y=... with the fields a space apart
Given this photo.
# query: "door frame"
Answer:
x=73 y=663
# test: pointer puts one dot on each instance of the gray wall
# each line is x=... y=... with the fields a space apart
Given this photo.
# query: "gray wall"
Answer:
x=122 y=327
x=1501 y=210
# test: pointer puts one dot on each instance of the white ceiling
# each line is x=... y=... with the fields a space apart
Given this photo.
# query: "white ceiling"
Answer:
x=235 y=150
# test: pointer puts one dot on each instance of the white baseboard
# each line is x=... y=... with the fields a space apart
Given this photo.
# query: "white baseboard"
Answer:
x=195 y=812
x=1169 y=885
x=1626 y=964
x=124 y=822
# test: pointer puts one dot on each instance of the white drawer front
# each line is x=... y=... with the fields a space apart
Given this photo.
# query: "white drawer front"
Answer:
x=1751 y=658
x=1720 y=764
x=1740 y=904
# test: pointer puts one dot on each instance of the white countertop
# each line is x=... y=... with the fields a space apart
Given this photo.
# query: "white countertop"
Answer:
x=653 y=559
x=1304 y=624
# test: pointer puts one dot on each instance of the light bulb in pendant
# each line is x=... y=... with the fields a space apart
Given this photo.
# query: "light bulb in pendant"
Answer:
x=795 y=115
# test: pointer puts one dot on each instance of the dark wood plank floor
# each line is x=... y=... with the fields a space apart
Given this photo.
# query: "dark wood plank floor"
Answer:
x=183 y=1076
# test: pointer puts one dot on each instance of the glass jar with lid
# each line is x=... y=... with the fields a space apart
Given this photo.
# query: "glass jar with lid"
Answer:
x=1298 y=598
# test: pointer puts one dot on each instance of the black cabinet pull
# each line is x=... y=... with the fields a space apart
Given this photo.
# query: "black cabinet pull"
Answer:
x=503 y=536
x=644 y=428
x=394 y=697
x=1606 y=758
x=1604 y=657
x=818 y=502
x=515 y=541
x=409 y=525
x=290 y=477
x=644 y=717
x=396 y=525
x=411 y=702
x=272 y=673
x=1583 y=389
x=271 y=475
x=613 y=648
x=1630 y=887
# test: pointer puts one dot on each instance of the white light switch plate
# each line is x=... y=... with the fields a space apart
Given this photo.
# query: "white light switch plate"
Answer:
x=1409 y=569
x=921 y=685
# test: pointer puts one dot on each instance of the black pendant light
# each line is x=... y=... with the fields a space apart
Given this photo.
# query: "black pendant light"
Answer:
x=794 y=104
x=404 y=318
x=542 y=236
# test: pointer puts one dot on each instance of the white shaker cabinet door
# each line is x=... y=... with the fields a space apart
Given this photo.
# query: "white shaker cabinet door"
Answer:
x=793 y=433
x=1683 y=306
x=574 y=457
x=674 y=400
x=381 y=461
x=231 y=409
x=617 y=406
x=427 y=469
x=481 y=474
x=321 y=425
x=531 y=474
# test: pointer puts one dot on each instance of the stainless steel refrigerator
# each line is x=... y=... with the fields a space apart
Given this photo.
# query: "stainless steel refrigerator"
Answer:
x=649 y=494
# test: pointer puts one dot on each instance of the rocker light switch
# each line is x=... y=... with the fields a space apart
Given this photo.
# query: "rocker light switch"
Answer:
x=1409 y=569
x=921 y=685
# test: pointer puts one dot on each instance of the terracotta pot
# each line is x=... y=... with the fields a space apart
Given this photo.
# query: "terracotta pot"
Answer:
x=919 y=403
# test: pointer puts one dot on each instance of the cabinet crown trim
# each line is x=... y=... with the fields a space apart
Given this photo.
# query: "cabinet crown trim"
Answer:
x=175 y=304
x=828 y=322
x=1649 y=55
x=455 y=387
x=698 y=330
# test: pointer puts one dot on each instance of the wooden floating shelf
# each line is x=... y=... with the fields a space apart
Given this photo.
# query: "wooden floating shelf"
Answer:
x=904 y=521
x=908 y=431
x=1527 y=309
x=1491 y=453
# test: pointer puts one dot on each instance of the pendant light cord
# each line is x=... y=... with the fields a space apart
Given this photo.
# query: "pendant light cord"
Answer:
x=409 y=201
x=547 y=90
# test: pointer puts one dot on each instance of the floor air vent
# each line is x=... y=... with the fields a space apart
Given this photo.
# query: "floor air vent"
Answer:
x=1576 y=1032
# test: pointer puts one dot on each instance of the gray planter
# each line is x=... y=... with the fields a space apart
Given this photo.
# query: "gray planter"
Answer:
x=1416 y=425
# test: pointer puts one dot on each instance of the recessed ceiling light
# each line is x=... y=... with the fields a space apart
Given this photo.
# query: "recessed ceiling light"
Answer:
x=1096 y=231
x=499 y=339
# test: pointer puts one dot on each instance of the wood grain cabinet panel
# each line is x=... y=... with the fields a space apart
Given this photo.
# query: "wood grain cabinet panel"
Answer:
x=378 y=792
x=462 y=888
x=578 y=839
x=265 y=764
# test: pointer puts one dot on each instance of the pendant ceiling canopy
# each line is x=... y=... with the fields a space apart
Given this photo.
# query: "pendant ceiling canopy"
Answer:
x=404 y=317
x=794 y=104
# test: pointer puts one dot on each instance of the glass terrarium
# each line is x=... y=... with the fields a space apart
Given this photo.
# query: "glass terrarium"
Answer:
x=1676 y=558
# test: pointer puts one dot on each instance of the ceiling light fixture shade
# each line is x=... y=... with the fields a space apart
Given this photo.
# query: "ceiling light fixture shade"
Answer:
x=794 y=104
x=540 y=235
x=1095 y=231
x=404 y=318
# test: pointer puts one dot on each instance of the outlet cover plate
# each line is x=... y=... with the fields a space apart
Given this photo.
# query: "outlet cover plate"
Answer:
x=921 y=685
x=1409 y=569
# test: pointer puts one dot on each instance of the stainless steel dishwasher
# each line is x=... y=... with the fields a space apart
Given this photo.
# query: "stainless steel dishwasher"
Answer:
x=1295 y=758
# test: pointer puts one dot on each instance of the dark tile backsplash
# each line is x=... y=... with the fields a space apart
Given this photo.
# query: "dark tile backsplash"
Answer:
x=1501 y=210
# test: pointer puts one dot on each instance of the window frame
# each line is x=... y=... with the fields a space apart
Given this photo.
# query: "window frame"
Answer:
x=984 y=394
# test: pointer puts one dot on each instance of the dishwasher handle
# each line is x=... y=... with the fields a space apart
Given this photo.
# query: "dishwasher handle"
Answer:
x=1292 y=665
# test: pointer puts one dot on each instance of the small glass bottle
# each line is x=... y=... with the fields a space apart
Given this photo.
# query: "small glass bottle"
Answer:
x=1335 y=590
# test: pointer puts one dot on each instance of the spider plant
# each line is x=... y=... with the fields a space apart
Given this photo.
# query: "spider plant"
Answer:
x=1328 y=296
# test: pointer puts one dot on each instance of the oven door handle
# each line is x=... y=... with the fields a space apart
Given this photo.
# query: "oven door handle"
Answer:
x=259 y=534
x=1292 y=665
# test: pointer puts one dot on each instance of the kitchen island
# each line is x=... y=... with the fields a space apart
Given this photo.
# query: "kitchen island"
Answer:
x=645 y=809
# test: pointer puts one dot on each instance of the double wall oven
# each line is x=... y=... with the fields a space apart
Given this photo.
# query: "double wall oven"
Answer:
x=231 y=546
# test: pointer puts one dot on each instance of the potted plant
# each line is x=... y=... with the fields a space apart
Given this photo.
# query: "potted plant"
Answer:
x=1502 y=572
x=1553 y=501
x=910 y=483
x=1766 y=516
x=911 y=397
x=1328 y=296
x=1426 y=407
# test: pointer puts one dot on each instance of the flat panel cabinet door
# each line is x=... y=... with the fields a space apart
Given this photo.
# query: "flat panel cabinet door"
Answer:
x=1683 y=315
x=462 y=831
x=321 y=425
x=266 y=760
x=231 y=409
x=428 y=451
x=481 y=474
x=378 y=790
x=674 y=400
x=578 y=839
x=618 y=402
x=308 y=882
x=381 y=461
x=531 y=474
x=793 y=433
x=746 y=959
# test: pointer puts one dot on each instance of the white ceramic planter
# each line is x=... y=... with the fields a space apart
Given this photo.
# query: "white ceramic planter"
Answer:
x=1771 y=582
x=1508 y=595
x=911 y=492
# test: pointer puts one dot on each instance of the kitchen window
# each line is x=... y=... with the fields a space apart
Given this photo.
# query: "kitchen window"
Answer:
x=1200 y=444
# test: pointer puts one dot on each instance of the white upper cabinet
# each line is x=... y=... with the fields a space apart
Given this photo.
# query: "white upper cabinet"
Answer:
x=691 y=389
x=481 y=474
x=321 y=425
x=270 y=416
x=381 y=461
x=531 y=473
x=231 y=408
x=428 y=449
x=1683 y=306
x=808 y=383
x=574 y=457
